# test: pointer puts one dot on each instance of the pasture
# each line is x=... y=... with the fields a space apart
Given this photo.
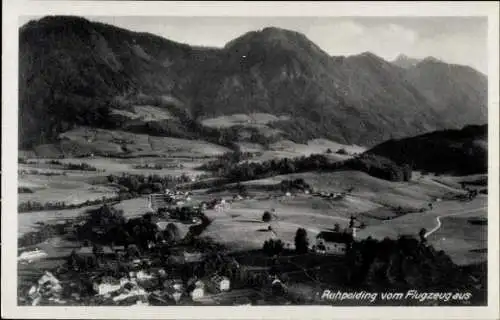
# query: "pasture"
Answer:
x=84 y=141
x=371 y=200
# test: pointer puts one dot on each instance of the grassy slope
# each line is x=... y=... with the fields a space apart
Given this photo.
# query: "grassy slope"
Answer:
x=84 y=140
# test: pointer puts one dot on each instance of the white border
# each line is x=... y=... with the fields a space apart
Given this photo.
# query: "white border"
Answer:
x=12 y=9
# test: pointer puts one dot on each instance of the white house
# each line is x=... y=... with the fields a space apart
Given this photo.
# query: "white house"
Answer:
x=142 y=276
x=198 y=291
x=106 y=285
x=330 y=242
x=219 y=284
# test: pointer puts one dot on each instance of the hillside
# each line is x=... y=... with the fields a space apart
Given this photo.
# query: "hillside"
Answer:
x=75 y=72
x=462 y=151
x=452 y=89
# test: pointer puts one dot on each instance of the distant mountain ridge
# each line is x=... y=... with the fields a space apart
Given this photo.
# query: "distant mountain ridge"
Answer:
x=404 y=61
x=75 y=72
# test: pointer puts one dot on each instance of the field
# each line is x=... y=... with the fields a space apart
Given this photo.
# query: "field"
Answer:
x=49 y=180
x=83 y=141
x=373 y=201
x=290 y=149
x=144 y=113
x=255 y=119
x=71 y=188
x=385 y=210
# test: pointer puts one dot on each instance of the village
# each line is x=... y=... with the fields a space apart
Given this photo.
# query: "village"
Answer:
x=162 y=258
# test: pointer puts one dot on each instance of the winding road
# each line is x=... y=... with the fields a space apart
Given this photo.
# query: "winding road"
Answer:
x=455 y=213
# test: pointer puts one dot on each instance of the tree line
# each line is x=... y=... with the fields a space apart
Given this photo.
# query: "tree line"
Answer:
x=137 y=184
x=374 y=165
x=30 y=206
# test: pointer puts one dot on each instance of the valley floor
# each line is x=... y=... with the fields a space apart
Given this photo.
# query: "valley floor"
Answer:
x=372 y=201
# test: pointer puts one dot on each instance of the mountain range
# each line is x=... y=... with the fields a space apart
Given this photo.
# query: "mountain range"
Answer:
x=74 y=72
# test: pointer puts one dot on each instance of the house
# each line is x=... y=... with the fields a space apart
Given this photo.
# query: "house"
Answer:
x=237 y=197
x=219 y=283
x=142 y=275
x=159 y=200
x=198 y=291
x=331 y=242
x=106 y=285
x=162 y=273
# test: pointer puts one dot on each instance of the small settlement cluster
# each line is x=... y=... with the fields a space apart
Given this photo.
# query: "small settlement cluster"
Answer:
x=180 y=268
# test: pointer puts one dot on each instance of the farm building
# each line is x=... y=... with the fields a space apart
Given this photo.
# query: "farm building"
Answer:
x=333 y=242
x=219 y=283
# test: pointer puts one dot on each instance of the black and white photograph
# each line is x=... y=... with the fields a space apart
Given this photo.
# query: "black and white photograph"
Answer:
x=245 y=160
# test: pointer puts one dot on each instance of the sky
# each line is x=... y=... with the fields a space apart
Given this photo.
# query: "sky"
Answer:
x=460 y=40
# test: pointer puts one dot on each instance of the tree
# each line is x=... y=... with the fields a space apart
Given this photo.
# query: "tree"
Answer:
x=301 y=241
x=336 y=228
x=421 y=235
x=351 y=222
x=133 y=251
x=266 y=217
x=171 y=233
x=272 y=247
